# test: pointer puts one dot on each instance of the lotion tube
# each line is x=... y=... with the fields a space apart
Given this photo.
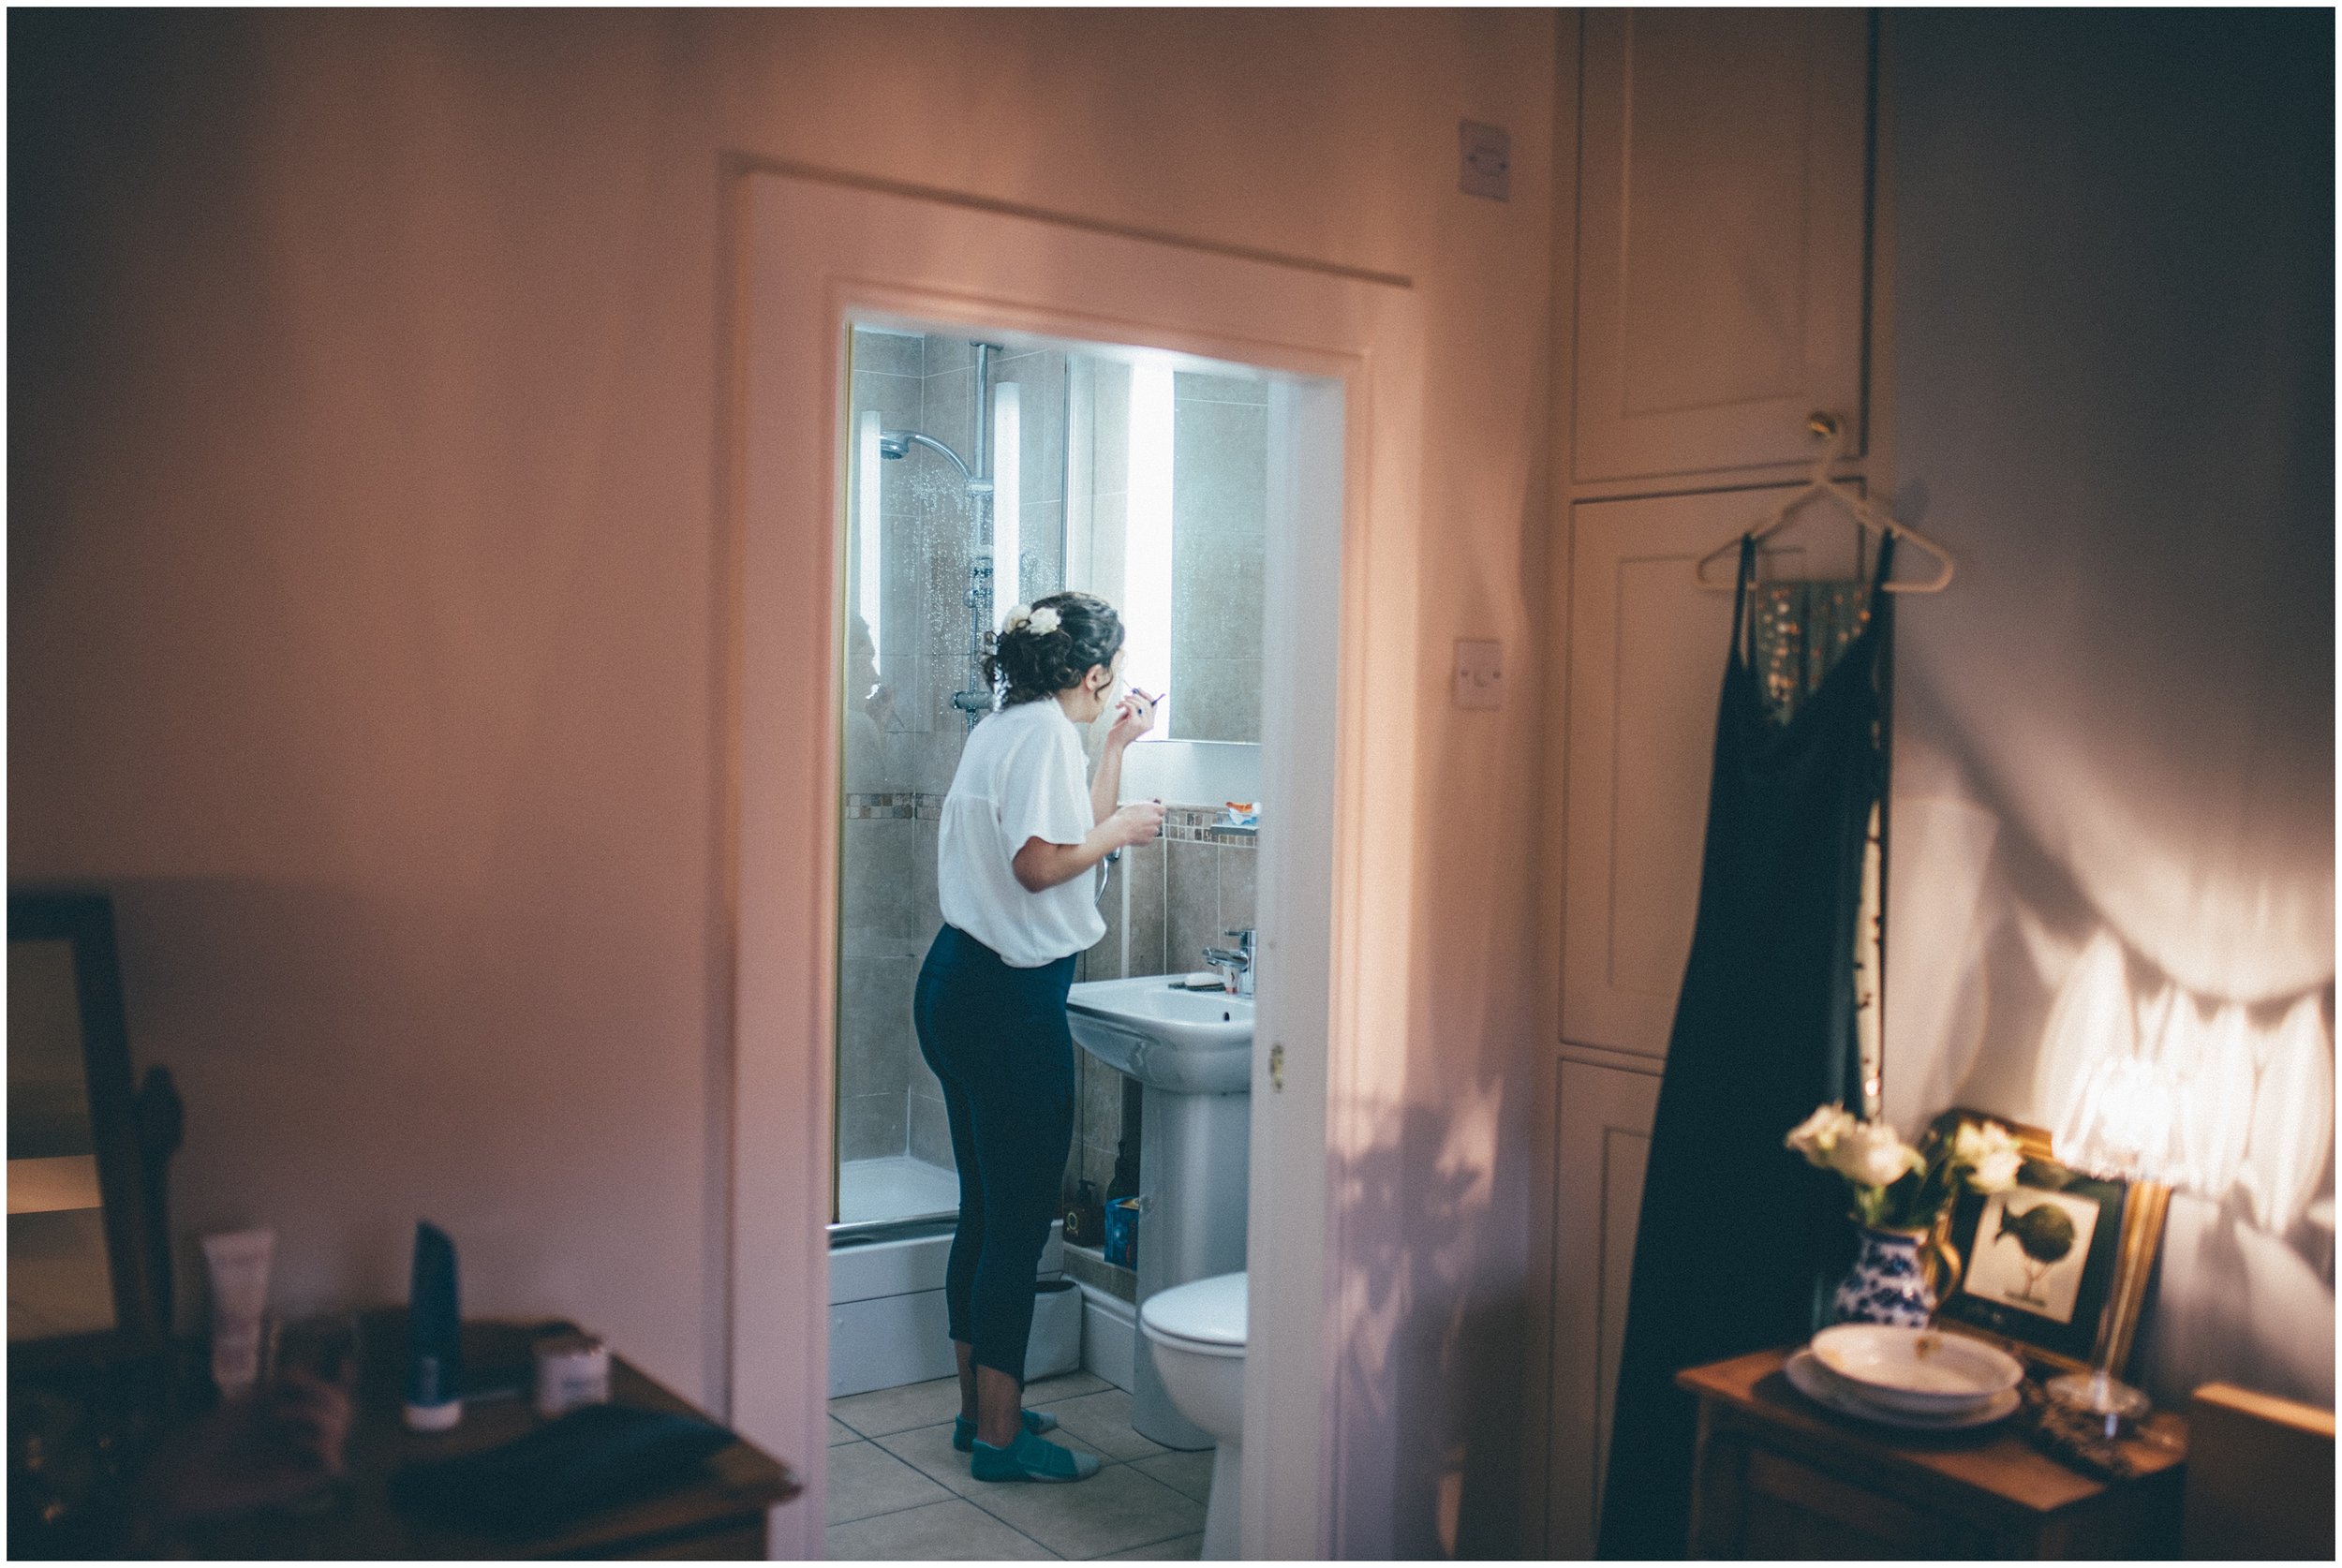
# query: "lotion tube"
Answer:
x=236 y=1265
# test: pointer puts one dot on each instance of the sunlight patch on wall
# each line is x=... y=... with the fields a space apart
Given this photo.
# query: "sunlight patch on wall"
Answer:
x=2250 y=1103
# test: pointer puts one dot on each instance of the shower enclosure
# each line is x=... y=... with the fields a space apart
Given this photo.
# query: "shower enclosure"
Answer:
x=956 y=499
x=983 y=473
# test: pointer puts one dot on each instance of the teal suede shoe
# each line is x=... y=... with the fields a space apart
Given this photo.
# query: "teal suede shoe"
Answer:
x=964 y=1430
x=1028 y=1459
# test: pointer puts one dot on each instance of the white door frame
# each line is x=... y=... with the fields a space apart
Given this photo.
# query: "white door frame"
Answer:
x=811 y=249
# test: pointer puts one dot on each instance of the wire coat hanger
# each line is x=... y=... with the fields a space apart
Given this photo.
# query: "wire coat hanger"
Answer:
x=1821 y=486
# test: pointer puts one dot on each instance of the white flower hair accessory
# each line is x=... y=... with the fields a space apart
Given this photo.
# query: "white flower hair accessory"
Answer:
x=1019 y=618
x=1025 y=617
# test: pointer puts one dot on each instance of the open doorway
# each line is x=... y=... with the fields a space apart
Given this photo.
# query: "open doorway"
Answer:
x=1337 y=358
x=987 y=470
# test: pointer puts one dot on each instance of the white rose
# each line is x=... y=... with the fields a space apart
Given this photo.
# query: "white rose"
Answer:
x=1870 y=1155
x=1817 y=1134
x=1019 y=617
x=1043 y=620
x=1997 y=1170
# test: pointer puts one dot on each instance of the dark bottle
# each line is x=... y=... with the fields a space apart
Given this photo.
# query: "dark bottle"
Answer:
x=1084 y=1216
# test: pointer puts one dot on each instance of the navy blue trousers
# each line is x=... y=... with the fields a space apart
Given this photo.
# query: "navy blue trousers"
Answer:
x=997 y=1040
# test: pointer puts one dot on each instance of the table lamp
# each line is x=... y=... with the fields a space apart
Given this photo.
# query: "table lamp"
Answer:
x=2120 y=1127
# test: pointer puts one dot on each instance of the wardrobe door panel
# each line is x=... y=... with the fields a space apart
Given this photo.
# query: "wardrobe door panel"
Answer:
x=1721 y=236
x=1602 y=1136
x=1647 y=653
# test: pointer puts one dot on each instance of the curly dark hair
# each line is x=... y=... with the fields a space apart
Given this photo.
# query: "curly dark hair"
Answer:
x=1031 y=664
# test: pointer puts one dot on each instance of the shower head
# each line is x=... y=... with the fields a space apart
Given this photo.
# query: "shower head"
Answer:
x=897 y=443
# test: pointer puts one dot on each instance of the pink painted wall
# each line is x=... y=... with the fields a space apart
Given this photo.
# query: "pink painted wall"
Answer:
x=363 y=594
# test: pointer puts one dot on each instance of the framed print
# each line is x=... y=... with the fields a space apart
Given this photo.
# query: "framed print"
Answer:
x=2056 y=1266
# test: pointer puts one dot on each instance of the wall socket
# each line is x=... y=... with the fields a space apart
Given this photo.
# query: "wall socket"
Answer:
x=1479 y=674
x=1488 y=161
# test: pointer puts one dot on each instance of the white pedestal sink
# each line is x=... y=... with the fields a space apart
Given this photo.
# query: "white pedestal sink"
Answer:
x=1191 y=1052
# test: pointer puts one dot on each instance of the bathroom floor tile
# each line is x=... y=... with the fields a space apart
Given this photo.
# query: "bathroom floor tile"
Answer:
x=898 y=1410
x=1113 y=1510
x=1065 y=1385
x=1186 y=1473
x=840 y=1432
x=928 y=1450
x=1183 y=1548
x=940 y=1532
x=865 y=1480
x=1102 y=1420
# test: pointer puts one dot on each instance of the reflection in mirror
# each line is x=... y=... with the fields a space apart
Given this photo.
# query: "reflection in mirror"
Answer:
x=60 y=1278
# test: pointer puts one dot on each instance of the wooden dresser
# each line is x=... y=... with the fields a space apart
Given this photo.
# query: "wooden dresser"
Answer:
x=1775 y=1476
x=717 y=1513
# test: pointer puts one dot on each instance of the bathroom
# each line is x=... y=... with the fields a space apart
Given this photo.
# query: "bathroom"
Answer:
x=1143 y=478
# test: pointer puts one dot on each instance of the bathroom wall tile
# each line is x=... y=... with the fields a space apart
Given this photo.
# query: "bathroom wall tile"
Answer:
x=930 y=1132
x=1040 y=377
x=1110 y=428
x=948 y=413
x=1219 y=469
x=923 y=874
x=949 y=353
x=1100 y=1121
x=875 y=871
x=889 y=353
x=897 y=398
x=874 y=1011
x=1219 y=699
x=921 y=1078
x=1191 y=903
x=1104 y=960
x=1145 y=866
x=1108 y=546
x=1240 y=899
x=870 y=1126
x=1188 y=385
x=1217 y=595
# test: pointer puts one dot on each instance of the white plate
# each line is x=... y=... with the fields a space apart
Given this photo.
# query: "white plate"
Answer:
x=1809 y=1377
x=1925 y=1371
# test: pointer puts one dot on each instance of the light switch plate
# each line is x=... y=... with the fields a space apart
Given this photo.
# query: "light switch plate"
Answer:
x=1488 y=161
x=1479 y=674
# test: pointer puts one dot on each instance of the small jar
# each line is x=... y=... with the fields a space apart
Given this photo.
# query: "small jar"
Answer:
x=572 y=1369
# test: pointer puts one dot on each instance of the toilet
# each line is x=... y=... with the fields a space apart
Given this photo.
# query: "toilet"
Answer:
x=1195 y=1333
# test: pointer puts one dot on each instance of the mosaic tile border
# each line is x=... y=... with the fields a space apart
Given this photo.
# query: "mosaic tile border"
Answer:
x=1181 y=825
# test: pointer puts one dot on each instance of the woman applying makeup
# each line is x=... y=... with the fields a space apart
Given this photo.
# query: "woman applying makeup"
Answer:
x=1020 y=831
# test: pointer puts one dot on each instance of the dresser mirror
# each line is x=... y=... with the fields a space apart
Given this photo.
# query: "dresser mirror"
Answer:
x=80 y=1279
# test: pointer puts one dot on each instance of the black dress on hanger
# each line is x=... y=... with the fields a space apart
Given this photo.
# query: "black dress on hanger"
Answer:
x=1736 y=1229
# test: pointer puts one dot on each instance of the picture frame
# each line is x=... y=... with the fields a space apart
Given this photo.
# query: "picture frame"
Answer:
x=2055 y=1270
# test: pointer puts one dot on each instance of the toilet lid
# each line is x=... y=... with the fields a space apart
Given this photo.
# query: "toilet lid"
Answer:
x=1204 y=1311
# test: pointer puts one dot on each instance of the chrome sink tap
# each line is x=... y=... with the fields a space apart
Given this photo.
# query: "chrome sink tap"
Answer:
x=1234 y=964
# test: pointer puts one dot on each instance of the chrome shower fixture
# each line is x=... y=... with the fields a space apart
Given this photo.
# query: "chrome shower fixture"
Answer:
x=898 y=444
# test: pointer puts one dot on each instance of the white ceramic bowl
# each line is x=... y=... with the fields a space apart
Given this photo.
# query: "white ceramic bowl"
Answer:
x=1923 y=1370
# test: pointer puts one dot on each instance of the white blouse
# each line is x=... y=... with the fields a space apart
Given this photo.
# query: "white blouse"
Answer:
x=1021 y=776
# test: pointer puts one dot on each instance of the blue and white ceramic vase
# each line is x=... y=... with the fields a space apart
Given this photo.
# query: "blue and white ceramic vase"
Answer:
x=1888 y=1283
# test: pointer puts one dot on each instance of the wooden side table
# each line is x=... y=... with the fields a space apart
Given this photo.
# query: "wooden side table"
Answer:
x=717 y=1514
x=1776 y=1476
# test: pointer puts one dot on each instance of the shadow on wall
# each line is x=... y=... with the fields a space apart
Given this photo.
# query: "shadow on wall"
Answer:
x=1429 y=1370
x=2027 y=987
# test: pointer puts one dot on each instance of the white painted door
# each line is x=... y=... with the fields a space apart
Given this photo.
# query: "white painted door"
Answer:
x=1601 y=1125
x=817 y=252
x=1646 y=663
x=1721 y=229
